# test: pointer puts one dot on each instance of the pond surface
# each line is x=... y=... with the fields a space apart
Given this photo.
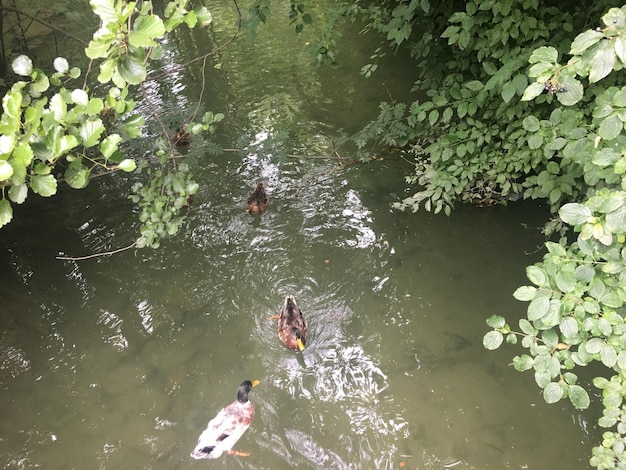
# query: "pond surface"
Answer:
x=120 y=362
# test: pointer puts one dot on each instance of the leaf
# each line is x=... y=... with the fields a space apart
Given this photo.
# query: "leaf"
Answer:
x=536 y=275
x=568 y=327
x=77 y=176
x=474 y=85
x=538 y=308
x=608 y=356
x=535 y=141
x=553 y=392
x=61 y=65
x=90 y=131
x=132 y=70
x=544 y=54
x=584 y=41
x=532 y=91
x=606 y=156
x=508 y=91
x=18 y=193
x=610 y=127
x=496 y=321
x=616 y=220
x=6 y=212
x=573 y=213
x=127 y=165
x=602 y=62
x=106 y=10
x=573 y=91
x=6 y=170
x=531 y=123
x=109 y=145
x=145 y=30
x=44 y=185
x=579 y=397
x=493 y=340
x=80 y=97
x=527 y=327
x=523 y=362
x=525 y=293
x=565 y=281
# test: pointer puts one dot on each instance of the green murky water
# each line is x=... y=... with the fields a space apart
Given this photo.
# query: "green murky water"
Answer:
x=120 y=362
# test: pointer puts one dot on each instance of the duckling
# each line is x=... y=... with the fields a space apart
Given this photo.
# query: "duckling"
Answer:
x=258 y=201
x=292 y=325
x=182 y=137
x=227 y=427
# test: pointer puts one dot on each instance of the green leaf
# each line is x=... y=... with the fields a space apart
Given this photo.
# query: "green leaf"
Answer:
x=90 y=131
x=608 y=356
x=525 y=293
x=565 y=281
x=553 y=392
x=145 y=30
x=475 y=85
x=584 y=41
x=602 y=62
x=606 y=156
x=527 y=327
x=523 y=362
x=538 y=308
x=132 y=70
x=531 y=123
x=616 y=220
x=493 y=340
x=6 y=212
x=44 y=185
x=18 y=193
x=544 y=54
x=610 y=127
x=127 y=165
x=573 y=213
x=573 y=91
x=106 y=10
x=6 y=170
x=532 y=91
x=579 y=397
x=77 y=176
x=536 y=275
x=496 y=321
x=568 y=327
x=535 y=141
x=109 y=145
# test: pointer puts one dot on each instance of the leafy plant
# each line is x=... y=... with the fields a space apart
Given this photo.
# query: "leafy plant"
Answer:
x=577 y=300
x=53 y=128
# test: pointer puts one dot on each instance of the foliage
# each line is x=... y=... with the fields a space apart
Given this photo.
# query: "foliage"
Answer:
x=53 y=128
x=577 y=300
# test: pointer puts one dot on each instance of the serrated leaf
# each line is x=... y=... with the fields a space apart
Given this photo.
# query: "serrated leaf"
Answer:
x=77 y=177
x=18 y=193
x=44 y=185
x=493 y=340
x=146 y=29
x=132 y=70
x=90 y=131
x=6 y=212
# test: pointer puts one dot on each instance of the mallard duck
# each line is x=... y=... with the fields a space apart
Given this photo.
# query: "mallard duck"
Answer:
x=257 y=202
x=227 y=427
x=292 y=325
x=182 y=137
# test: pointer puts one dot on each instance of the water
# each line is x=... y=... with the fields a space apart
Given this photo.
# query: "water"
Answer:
x=119 y=362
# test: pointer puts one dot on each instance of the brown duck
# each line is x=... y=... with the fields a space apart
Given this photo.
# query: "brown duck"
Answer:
x=292 y=325
x=182 y=137
x=258 y=201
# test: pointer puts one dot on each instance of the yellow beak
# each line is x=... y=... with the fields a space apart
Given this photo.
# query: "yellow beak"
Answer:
x=300 y=344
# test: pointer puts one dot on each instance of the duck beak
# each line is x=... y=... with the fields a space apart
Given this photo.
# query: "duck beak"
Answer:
x=300 y=344
x=255 y=383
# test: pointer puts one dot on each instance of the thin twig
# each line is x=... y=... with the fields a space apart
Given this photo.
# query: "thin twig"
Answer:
x=95 y=255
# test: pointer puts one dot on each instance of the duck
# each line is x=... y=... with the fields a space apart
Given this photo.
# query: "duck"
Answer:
x=182 y=137
x=223 y=431
x=258 y=201
x=292 y=325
